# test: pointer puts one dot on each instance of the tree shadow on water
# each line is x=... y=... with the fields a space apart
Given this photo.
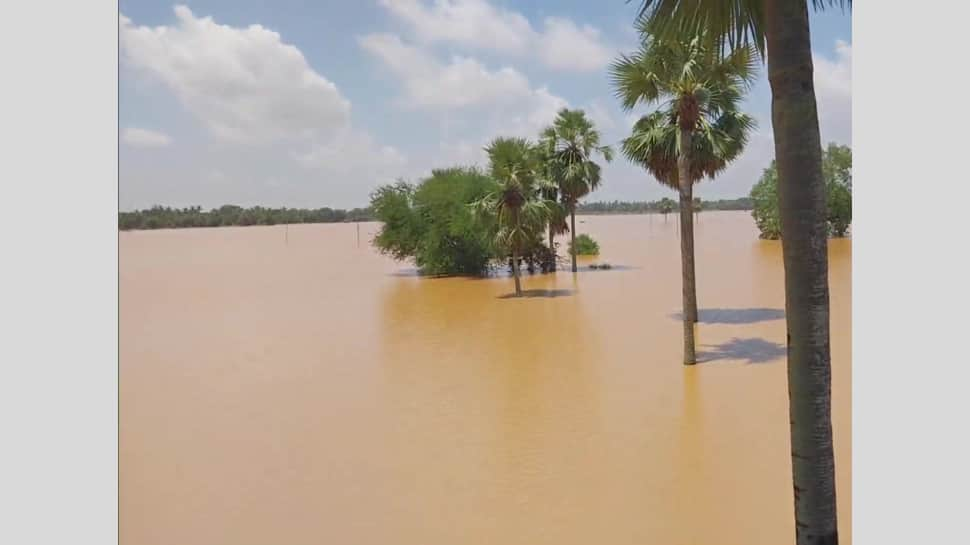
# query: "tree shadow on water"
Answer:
x=526 y=294
x=752 y=350
x=735 y=315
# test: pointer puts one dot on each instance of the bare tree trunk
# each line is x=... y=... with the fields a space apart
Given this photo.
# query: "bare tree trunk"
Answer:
x=801 y=198
x=572 y=216
x=552 y=247
x=687 y=247
x=515 y=272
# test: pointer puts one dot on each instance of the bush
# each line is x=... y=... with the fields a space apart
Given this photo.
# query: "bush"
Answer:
x=837 y=171
x=585 y=245
x=433 y=224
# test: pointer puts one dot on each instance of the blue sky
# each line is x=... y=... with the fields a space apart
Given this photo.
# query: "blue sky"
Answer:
x=309 y=104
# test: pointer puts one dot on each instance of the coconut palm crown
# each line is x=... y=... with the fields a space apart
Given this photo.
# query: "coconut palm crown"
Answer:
x=570 y=144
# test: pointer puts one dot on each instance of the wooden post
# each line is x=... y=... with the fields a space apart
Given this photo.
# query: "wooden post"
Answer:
x=358 y=234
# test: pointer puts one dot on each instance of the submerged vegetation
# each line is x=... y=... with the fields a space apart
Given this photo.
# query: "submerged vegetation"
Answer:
x=837 y=172
x=584 y=245
x=431 y=222
x=464 y=220
x=695 y=133
x=164 y=217
x=780 y=32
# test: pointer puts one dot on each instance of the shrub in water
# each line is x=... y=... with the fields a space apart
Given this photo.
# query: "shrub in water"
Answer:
x=585 y=245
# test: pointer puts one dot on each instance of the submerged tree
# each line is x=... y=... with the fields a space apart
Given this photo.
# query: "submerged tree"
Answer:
x=666 y=206
x=781 y=29
x=696 y=133
x=837 y=172
x=515 y=200
x=569 y=145
x=431 y=223
x=558 y=214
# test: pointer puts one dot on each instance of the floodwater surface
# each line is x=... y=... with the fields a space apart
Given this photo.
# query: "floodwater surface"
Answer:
x=283 y=385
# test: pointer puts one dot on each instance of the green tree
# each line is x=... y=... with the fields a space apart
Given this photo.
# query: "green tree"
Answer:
x=557 y=223
x=666 y=206
x=837 y=172
x=515 y=201
x=780 y=28
x=584 y=245
x=765 y=197
x=569 y=144
x=696 y=135
x=432 y=223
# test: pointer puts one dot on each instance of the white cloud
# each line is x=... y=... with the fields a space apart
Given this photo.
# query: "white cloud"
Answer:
x=351 y=152
x=245 y=84
x=505 y=99
x=561 y=44
x=431 y=84
x=565 y=46
x=833 y=91
x=287 y=129
x=145 y=138
x=471 y=22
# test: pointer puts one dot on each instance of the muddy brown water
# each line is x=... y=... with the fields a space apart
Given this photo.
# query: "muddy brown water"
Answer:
x=299 y=389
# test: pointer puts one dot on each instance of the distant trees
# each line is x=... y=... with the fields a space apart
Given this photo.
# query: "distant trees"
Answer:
x=837 y=174
x=644 y=207
x=164 y=217
x=667 y=206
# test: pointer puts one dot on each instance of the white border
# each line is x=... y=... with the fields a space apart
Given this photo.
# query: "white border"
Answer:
x=58 y=273
x=910 y=273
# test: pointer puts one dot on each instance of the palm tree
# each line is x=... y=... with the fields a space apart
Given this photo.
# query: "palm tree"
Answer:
x=515 y=202
x=697 y=132
x=698 y=206
x=570 y=143
x=550 y=192
x=780 y=29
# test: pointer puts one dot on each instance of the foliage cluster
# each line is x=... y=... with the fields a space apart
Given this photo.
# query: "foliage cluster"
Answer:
x=432 y=222
x=837 y=172
x=585 y=245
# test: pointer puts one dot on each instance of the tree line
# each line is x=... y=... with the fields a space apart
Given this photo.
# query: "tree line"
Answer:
x=659 y=205
x=164 y=217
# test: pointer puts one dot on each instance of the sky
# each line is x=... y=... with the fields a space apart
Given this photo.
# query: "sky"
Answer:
x=312 y=104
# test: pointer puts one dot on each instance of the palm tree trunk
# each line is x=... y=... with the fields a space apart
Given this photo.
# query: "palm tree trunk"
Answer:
x=801 y=199
x=515 y=272
x=552 y=247
x=572 y=229
x=687 y=247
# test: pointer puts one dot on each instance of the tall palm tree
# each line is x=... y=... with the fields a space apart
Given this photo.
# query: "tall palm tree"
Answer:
x=550 y=192
x=695 y=134
x=516 y=201
x=570 y=142
x=780 y=29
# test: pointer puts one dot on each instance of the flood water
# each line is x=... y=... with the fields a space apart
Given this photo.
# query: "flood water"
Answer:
x=283 y=385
